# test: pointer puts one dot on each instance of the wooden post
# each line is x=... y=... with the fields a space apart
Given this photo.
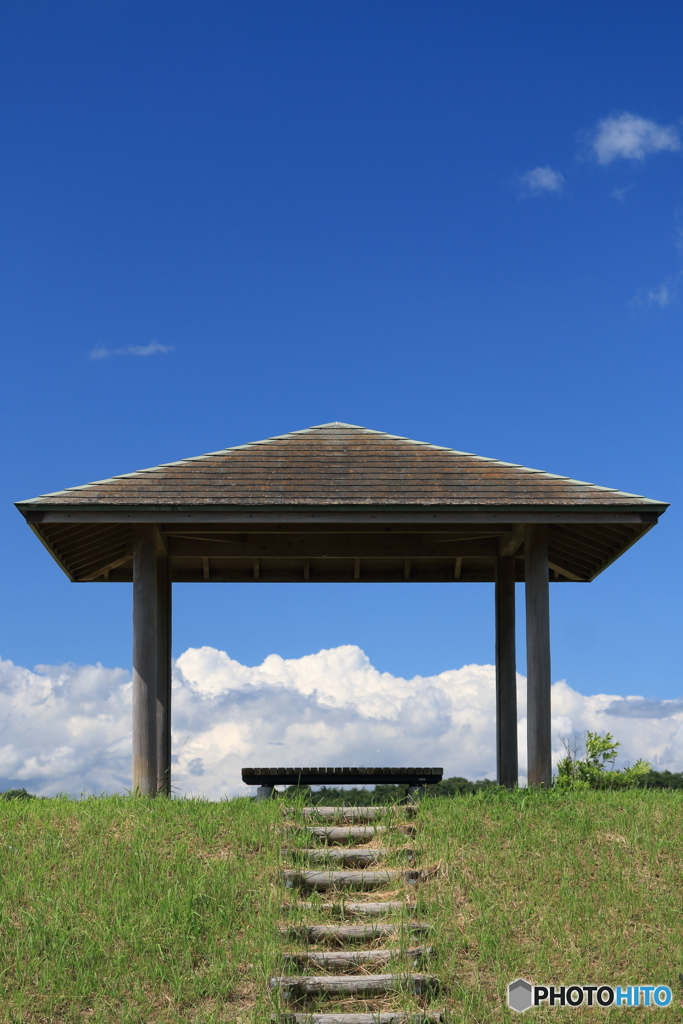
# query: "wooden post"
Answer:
x=145 y=626
x=506 y=673
x=539 y=769
x=164 y=676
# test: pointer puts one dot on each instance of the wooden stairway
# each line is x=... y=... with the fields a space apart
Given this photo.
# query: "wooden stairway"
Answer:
x=337 y=941
x=358 y=1018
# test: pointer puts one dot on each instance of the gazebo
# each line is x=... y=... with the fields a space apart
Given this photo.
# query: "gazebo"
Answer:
x=331 y=504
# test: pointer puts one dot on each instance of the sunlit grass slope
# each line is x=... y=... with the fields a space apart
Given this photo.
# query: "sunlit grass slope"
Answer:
x=128 y=910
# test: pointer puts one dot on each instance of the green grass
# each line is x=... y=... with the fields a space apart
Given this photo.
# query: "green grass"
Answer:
x=125 y=909
x=131 y=910
x=578 y=888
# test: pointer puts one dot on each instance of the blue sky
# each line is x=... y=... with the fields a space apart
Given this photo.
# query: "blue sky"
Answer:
x=461 y=223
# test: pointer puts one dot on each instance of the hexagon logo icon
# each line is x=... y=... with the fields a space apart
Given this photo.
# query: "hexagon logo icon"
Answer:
x=519 y=995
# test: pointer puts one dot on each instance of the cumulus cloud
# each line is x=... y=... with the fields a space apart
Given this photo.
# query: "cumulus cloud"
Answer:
x=67 y=728
x=131 y=350
x=630 y=137
x=540 y=180
x=64 y=728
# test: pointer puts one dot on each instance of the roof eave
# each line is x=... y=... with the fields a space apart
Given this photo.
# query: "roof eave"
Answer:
x=35 y=510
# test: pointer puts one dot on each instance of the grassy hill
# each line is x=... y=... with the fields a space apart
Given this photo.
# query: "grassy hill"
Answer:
x=130 y=910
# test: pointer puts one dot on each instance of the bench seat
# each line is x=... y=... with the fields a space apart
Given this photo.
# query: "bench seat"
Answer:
x=341 y=776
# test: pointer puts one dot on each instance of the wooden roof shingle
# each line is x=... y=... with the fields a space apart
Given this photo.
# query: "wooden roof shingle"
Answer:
x=337 y=464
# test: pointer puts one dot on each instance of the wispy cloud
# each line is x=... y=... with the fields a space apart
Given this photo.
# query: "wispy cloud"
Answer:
x=661 y=295
x=641 y=707
x=67 y=728
x=131 y=350
x=627 y=136
x=620 y=193
x=540 y=180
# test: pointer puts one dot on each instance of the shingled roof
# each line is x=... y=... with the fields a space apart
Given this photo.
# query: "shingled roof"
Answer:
x=337 y=503
x=337 y=464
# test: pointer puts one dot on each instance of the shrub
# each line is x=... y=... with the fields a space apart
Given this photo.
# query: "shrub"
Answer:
x=593 y=771
x=662 y=780
x=384 y=794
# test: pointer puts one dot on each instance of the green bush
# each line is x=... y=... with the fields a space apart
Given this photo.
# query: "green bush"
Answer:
x=662 y=780
x=592 y=771
x=382 y=794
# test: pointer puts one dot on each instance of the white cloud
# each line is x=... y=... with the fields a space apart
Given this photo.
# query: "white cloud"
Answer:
x=662 y=295
x=132 y=350
x=67 y=727
x=629 y=137
x=541 y=179
x=620 y=193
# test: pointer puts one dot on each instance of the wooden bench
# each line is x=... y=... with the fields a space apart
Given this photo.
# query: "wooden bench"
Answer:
x=267 y=778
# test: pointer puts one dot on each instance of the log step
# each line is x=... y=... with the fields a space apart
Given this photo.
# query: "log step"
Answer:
x=347 y=957
x=322 y=880
x=357 y=1018
x=351 y=932
x=349 y=858
x=353 y=984
x=354 y=813
x=369 y=909
x=345 y=833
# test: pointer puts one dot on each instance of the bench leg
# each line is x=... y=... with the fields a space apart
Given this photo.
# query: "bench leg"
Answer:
x=265 y=792
x=415 y=792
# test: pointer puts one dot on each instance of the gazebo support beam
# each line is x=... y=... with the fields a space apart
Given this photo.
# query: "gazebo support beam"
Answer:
x=145 y=659
x=506 y=674
x=163 y=692
x=537 y=588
